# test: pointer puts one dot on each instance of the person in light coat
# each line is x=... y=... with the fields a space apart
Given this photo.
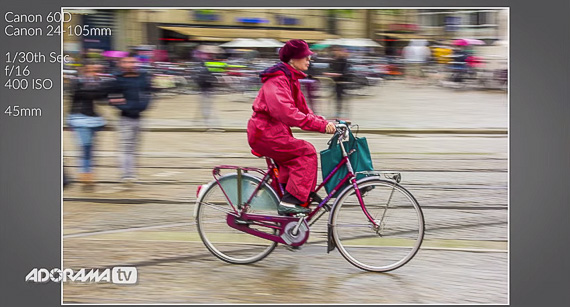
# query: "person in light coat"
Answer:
x=416 y=55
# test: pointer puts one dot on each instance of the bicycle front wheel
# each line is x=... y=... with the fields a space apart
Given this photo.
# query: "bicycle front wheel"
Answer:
x=398 y=234
x=225 y=242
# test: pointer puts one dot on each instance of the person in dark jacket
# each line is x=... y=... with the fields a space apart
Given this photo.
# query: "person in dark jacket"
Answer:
x=83 y=118
x=279 y=106
x=339 y=69
x=459 y=64
x=131 y=94
x=206 y=81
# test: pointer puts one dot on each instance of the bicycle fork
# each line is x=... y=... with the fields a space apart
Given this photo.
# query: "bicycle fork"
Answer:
x=378 y=228
x=376 y=224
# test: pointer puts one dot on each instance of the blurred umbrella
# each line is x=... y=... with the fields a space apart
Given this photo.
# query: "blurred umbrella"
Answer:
x=270 y=43
x=210 y=49
x=330 y=41
x=244 y=43
x=319 y=46
x=362 y=42
x=471 y=41
x=347 y=42
x=460 y=42
x=501 y=43
x=115 y=54
x=467 y=41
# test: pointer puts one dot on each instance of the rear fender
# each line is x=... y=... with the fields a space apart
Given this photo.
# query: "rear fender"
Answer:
x=272 y=197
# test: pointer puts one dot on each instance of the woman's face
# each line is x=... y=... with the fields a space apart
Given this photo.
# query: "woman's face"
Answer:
x=301 y=64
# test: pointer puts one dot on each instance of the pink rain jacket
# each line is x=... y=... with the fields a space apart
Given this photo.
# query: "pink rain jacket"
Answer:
x=280 y=105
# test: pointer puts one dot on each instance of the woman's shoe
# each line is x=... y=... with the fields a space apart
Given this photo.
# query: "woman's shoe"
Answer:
x=288 y=208
x=315 y=198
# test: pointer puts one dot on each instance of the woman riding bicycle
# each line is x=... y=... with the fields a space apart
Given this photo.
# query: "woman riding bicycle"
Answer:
x=280 y=105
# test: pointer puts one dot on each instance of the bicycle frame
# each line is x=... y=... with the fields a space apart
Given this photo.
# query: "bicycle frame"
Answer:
x=272 y=174
x=256 y=214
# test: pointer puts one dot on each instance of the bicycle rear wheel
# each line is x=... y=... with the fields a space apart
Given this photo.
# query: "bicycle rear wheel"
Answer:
x=383 y=248
x=225 y=242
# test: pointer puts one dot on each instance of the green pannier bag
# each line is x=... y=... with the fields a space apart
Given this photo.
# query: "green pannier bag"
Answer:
x=358 y=154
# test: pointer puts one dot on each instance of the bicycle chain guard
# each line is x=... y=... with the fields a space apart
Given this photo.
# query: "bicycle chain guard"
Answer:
x=285 y=224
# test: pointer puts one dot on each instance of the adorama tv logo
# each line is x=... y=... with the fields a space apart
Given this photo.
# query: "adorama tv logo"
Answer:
x=124 y=275
x=116 y=275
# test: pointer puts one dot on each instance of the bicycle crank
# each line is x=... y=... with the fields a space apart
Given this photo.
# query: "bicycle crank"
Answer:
x=295 y=239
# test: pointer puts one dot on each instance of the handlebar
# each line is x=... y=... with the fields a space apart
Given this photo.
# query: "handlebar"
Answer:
x=342 y=128
x=342 y=125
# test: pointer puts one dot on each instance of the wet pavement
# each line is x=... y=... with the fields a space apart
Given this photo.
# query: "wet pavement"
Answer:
x=183 y=272
x=461 y=181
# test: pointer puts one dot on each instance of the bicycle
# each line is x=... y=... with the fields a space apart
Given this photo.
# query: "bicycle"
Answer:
x=375 y=223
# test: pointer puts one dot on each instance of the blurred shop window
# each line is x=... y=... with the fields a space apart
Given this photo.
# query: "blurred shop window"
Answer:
x=205 y=15
x=251 y=20
x=452 y=23
x=287 y=21
x=481 y=18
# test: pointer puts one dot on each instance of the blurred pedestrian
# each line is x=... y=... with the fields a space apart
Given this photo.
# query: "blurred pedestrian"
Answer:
x=83 y=118
x=311 y=86
x=280 y=105
x=442 y=54
x=339 y=72
x=131 y=94
x=65 y=180
x=416 y=56
x=459 y=66
x=206 y=81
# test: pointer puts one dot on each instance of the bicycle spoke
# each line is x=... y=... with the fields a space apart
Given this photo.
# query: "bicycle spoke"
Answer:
x=395 y=238
x=216 y=206
x=225 y=242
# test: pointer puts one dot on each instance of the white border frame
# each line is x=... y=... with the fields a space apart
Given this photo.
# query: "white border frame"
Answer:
x=507 y=8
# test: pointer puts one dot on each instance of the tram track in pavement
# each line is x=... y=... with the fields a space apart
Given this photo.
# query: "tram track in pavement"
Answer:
x=92 y=235
x=207 y=256
x=181 y=224
x=142 y=201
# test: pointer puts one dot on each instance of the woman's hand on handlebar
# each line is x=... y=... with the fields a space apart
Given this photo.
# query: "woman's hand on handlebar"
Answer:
x=331 y=128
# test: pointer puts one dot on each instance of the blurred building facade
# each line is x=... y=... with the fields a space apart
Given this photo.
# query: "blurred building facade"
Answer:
x=177 y=28
x=486 y=24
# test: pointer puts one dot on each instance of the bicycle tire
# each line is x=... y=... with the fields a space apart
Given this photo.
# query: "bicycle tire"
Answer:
x=401 y=232
x=226 y=243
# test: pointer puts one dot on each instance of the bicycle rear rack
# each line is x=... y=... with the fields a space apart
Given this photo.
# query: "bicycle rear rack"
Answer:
x=391 y=175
